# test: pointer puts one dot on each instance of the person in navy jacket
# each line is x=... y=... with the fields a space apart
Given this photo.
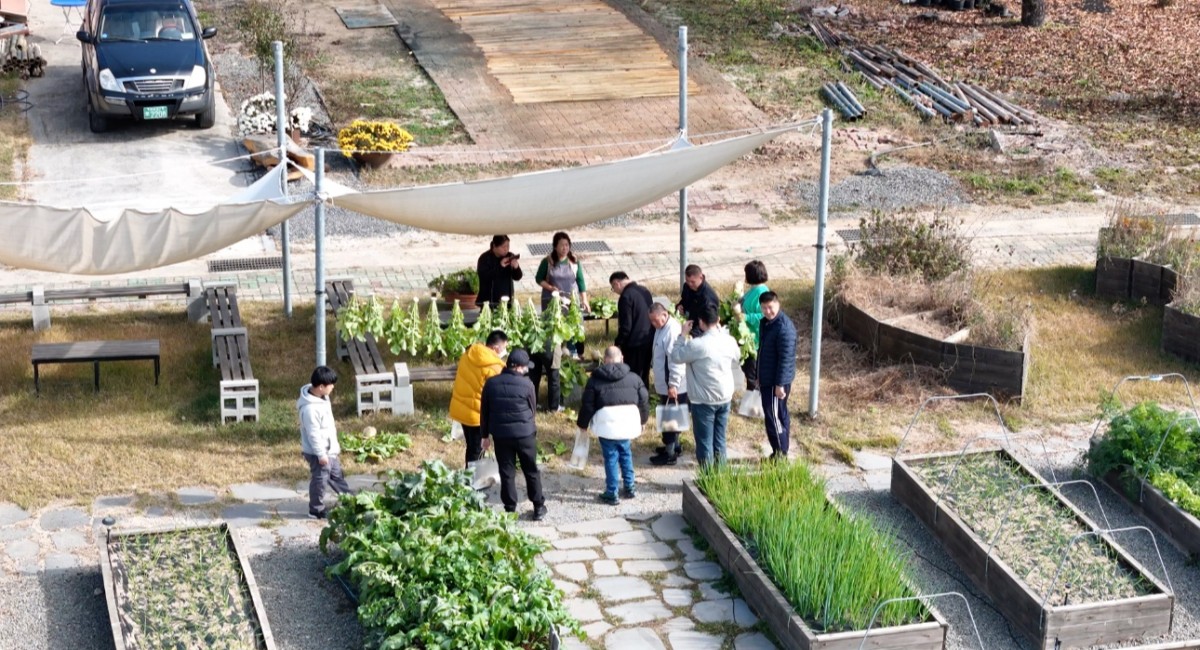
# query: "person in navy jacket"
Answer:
x=776 y=370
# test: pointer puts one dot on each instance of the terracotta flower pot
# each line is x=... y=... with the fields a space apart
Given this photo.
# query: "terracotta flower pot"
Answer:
x=465 y=300
x=374 y=159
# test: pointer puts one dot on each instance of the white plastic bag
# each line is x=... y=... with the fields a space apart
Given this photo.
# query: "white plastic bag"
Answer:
x=487 y=472
x=456 y=430
x=751 y=405
x=579 y=454
x=672 y=416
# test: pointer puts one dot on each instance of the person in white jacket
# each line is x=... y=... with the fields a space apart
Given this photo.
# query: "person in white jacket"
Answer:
x=670 y=381
x=710 y=359
x=318 y=440
x=615 y=407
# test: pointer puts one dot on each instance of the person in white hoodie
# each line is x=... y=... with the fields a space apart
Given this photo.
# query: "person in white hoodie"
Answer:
x=615 y=407
x=318 y=440
x=710 y=359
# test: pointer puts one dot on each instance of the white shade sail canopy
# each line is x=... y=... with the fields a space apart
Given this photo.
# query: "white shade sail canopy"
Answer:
x=75 y=240
x=550 y=200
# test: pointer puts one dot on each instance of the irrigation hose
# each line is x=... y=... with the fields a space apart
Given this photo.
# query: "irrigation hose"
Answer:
x=21 y=98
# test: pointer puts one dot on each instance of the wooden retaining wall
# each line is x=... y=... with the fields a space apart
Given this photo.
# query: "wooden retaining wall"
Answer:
x=1122 y=278
x=1181 y=334
x=770 y=604
x=968 y=368
x=1052 y=626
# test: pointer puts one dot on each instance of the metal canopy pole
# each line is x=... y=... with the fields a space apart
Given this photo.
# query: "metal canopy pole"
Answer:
x=814 y=378
x=281 y=141
x=683 y=126
x=319 y=234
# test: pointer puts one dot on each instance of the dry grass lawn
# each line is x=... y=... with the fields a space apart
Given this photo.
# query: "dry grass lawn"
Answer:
x=72 y=444
x=14 y=137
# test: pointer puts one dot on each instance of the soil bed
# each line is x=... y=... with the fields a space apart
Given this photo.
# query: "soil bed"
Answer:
x=182 y=588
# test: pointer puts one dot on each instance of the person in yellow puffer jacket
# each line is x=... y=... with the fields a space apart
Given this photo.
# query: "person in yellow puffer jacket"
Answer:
x=480 y=362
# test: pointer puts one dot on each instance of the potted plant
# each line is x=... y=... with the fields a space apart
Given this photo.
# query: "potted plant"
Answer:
x=373 y=143
x=461 y=285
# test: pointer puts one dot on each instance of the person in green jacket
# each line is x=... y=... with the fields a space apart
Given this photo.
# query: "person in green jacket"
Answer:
x=756 y=279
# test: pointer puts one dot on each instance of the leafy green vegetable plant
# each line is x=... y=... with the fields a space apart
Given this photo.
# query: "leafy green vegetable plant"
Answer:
x=463 y=281
x=435 y=567
x=1133 y=438
x=372 y=447
x=603 y=307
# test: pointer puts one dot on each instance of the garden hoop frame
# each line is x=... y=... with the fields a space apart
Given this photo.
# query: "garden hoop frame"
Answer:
x=924 y=599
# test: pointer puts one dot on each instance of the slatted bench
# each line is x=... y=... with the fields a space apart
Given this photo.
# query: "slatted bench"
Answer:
x=93 y=352
x=231 y=354
x=375 y=386
x=40 y=297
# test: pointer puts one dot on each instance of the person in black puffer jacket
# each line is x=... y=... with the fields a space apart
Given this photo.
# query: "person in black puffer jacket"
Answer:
x=615 y=406
x=776 y=369
x=506 y=413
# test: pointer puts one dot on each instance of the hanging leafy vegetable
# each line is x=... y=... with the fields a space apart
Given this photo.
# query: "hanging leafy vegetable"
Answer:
x=431 y=333
x=359 y=317
x=574 y=324
x=531 y=329
x=572 y=375
x=403 y=329
x=456 y=337
x=483 y=322
x=502 y=320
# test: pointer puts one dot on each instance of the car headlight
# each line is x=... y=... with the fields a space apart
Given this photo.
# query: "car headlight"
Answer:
x=109 y=82
x=197 y=79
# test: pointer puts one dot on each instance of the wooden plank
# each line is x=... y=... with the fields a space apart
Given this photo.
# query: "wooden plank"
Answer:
x=432 y=373
x=1181 y=334
x=96 y=293
x=96 y=350
x=1113 y=277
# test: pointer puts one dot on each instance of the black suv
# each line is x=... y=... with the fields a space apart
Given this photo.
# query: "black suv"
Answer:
x=146 y=60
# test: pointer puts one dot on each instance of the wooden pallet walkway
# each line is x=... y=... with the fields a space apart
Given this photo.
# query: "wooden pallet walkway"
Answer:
x=541 y=74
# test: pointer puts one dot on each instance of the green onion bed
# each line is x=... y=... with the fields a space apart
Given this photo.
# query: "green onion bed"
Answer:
x=833 y=567
x=182 y=589
x=985 y=492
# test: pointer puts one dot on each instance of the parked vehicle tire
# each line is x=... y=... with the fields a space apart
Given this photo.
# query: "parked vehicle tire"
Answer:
x=97 y=123
x=207 y=119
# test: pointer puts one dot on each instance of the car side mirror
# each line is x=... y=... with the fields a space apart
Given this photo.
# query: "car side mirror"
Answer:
x=208 y=32
x=83 y=37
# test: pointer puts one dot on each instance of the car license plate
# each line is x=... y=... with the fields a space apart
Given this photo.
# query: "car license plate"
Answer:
x=154 y=112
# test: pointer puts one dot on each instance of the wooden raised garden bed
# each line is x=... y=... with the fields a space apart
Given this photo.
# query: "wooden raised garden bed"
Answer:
x=1181 y=334
x=1123 y=278
x=1179 y=525
x=968 y=368
x=765 y=598
x=182 y=587
x=1102 y=594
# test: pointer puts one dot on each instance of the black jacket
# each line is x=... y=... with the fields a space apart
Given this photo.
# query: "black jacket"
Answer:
x=693 y=303
x=506 y=407
x=634 y=329
x=776 y=351
x=612 y=384
x=495 y=281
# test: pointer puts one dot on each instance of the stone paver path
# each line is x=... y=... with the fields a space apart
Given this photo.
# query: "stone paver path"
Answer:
x=636 y=583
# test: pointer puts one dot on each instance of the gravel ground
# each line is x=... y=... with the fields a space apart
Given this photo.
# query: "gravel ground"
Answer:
x=935 y=571
x=54 y=610
x=306 y=610
x=893 y=188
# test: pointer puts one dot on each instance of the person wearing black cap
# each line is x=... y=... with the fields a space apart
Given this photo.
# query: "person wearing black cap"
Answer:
x=506 y=413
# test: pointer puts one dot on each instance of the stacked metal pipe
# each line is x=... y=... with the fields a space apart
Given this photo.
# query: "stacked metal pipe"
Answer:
x=922 y=87
x=844 y=100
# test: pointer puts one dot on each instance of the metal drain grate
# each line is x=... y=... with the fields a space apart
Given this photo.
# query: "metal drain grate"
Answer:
x=245 y=264
x=1181 y=219
x=591 y=246
x=850 y=236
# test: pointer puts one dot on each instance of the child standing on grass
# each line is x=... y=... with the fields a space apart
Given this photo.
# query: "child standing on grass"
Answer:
x=318 y=440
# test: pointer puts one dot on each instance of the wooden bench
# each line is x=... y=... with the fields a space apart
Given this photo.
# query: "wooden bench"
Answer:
x=39 y=297
x=93 y=352
x=239 y=396
x=375 y=385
